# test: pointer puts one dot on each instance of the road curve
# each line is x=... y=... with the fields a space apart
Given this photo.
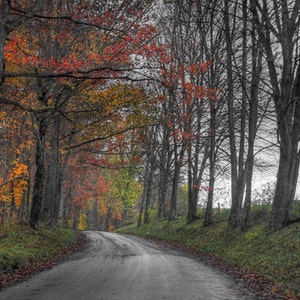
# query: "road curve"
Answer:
x=121 y=267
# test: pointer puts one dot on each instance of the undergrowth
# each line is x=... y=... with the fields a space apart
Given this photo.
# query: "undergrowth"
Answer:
x=21 y=246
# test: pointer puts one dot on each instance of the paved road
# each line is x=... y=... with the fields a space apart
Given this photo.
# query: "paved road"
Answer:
x=126 y=268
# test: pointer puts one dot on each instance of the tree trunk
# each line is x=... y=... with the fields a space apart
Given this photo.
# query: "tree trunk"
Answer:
x=252 y=126
x=21 y=210
x=149 y=189
x=192 y=192
x=12 y=210
x=143 y=197
x=289 y=160
x=285 y=190
x=4 y=212
x=192 y=202
x=142 y=201
x=66 y=207
x=4 y=9
x=50 y=203
x=173 y=200
x=286 y=96
x=195 y=170
x=164 y=173
x=175 y=182
x=39 y=176
x=243 y=109
x=95 y=215
x=195 y=187
x=235 y=203
x=208 y=218
x=76 y=218
x=58 y=213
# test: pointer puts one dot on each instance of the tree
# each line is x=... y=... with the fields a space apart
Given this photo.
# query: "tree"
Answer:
x=16 y=145
x=51 y=61
x=246 y=107
x=13 y=15
x=277 y=24
x=212 y=46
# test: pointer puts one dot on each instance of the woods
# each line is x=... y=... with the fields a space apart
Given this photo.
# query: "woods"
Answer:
x=123 y=111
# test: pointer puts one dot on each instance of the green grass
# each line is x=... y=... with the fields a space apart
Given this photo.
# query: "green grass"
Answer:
x=21 y=246
x=275 y=255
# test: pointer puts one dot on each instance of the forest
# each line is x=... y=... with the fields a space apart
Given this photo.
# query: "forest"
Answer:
x=125 y=111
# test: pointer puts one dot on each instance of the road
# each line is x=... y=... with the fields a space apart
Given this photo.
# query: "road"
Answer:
x=122 y=267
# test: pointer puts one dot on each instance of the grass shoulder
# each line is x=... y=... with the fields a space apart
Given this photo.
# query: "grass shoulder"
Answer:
x=24 y=251
x=271 y=255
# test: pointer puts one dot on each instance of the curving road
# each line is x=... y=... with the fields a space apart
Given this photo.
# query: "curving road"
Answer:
x=126 y=268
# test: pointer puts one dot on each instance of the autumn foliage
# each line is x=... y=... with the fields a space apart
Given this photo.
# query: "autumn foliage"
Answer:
x=62 y=100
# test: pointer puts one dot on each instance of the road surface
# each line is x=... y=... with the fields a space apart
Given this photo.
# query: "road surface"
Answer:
x=121 y=267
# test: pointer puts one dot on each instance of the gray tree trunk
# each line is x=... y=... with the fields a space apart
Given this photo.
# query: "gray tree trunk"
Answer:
x=235 y=201
x=51 y=195
x=164 y=171
x=208 y=218
x=252 y=126
x=4 y=9
x=289 y=160
x=39 y=176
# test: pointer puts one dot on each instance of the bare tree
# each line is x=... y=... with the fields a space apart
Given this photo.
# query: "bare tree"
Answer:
x=278 y=24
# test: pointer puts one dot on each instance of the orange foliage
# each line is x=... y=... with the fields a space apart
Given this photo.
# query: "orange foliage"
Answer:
x=16 y=185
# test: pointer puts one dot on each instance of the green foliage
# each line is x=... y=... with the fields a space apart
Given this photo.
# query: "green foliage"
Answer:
x=275 y=255
x=260 y=213
x=182 y=200
x=21 y=246
x=222 y=215
x=296 y=208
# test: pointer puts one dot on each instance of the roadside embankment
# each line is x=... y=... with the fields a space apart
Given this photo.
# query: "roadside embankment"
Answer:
x=24 y=251
x=266 y=262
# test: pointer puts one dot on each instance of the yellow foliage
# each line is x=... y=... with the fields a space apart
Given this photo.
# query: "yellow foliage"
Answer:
x=16 y=185
x=82 y=222
x=111 y=227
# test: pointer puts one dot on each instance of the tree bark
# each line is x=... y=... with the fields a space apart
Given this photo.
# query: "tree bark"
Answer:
x=39 y=176
x=50 y=203
x=208 y=218
x=4 y=9
x=289 y=160
x=175 y=182
x=149 y=187
x=164 y=173
x=252 y=126
x=235 y=203
x=285 y=189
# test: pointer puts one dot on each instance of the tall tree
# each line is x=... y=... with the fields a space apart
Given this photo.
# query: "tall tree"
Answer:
x=253 y=97
x=244 y=99
x=277 y=24
x=236 y=183
x=53 y=59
